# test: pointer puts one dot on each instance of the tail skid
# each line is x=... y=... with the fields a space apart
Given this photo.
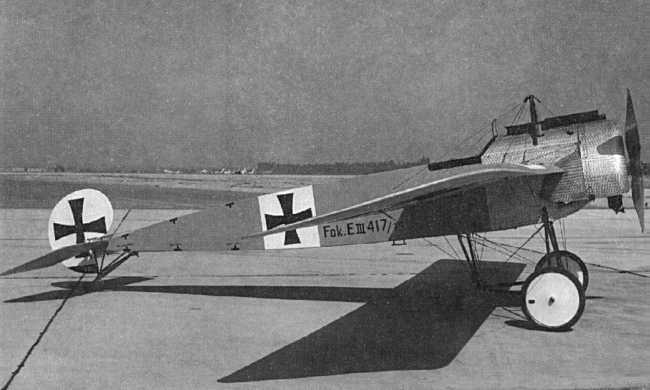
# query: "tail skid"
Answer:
x=102 y=271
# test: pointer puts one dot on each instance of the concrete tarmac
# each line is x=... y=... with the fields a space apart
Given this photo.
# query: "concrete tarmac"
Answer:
x=374 y=316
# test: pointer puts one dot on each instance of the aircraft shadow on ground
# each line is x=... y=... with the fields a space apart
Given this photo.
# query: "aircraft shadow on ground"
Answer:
x=421 y=324
x=75 y=289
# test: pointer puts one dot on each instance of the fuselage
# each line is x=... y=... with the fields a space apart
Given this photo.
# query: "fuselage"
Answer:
x=592 y=154
x=589 y=148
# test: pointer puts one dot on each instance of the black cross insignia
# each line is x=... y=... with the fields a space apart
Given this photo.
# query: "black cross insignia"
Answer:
x=79 y=227
x=287 y=217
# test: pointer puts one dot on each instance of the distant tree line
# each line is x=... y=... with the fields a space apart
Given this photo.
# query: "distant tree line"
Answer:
x=337 y=168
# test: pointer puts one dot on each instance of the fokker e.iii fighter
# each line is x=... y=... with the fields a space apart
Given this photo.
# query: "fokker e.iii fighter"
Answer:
x=539 y=172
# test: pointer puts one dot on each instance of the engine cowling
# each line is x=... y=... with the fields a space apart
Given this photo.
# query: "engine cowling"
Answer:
x=604 y=161
x=611 y=161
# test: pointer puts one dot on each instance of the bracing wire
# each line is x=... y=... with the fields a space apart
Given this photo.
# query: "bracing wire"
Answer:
x=515 y=252
x=542 y=239
x=452 y=248
x=121 y=221
x=518 y=115
x=535 y=251
x=462 y=142
x=501 y=251
x=481 y=131
x=439 y=248
x=546 y=107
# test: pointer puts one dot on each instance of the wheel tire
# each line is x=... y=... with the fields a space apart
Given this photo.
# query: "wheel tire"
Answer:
x=568 y=261
x=553 y=299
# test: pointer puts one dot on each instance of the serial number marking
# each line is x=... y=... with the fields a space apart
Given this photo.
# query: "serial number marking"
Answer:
x=379 y=225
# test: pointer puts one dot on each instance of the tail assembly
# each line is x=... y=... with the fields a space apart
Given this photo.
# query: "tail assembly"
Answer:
x=76 y=227
x=633 y=145
x=67 y=253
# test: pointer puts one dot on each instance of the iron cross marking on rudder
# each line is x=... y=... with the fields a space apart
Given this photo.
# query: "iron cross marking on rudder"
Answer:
x=79 y=227
x=287 y=217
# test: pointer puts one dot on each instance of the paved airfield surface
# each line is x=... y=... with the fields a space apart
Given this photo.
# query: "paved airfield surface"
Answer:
x=376 y=316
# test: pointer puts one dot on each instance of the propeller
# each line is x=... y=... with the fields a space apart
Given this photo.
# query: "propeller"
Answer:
x=633 y=144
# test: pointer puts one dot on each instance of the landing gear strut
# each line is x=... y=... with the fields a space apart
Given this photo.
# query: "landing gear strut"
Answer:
x=471 y=257
x=561 y=258
x=553 y=296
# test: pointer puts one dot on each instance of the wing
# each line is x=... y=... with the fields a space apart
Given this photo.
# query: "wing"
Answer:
x=255 y=223
x=452 y=180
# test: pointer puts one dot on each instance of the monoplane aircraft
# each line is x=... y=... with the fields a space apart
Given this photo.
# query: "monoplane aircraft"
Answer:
x=539 y=172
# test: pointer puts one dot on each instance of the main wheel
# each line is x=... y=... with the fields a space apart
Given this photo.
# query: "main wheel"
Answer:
x=568 y=261
x=553 y=298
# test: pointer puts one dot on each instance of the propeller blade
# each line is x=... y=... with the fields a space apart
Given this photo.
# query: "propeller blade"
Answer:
x=638 y=197
x=57 y=256
x=633 y=144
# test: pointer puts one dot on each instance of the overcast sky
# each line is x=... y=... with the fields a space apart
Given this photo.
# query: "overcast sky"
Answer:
x=104 y=84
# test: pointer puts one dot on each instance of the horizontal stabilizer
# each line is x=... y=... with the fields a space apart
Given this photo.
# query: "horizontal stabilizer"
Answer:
x=58 y=256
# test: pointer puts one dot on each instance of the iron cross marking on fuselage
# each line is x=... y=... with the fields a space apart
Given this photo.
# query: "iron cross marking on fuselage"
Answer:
x=79 y=227
x=287 y=217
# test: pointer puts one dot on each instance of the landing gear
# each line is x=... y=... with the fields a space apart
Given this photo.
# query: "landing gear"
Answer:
x=567 y=261
x=553 y=296
x=553 y=299
x=562 y=259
